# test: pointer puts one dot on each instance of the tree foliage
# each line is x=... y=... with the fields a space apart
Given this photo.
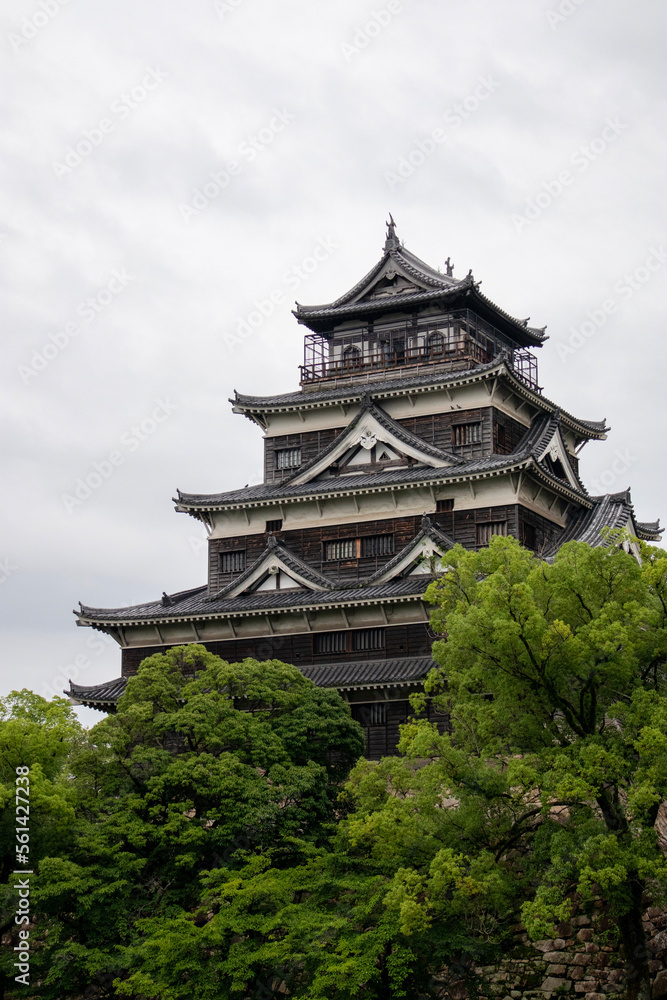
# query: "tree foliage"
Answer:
x=202 y=759
x=555 y=679
x=220 y=841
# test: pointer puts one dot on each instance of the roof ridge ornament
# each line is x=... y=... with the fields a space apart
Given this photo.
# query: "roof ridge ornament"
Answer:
x=392 y=242
x=449 y=267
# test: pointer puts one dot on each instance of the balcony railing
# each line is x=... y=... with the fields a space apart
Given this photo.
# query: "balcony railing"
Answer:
x=461 y=338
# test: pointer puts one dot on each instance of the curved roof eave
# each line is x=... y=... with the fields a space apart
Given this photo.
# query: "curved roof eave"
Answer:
x=195 y=504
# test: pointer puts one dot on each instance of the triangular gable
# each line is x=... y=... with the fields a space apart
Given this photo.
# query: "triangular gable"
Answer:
x=419 y=557
x=554 y=456
x=367 y=438
x=276 y=569
x=398 y=272
x=391 y=279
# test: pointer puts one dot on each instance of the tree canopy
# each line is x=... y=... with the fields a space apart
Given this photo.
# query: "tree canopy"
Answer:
x=219 y=836
x=554 y=675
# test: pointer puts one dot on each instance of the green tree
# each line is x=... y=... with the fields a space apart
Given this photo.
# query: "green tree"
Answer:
x=375 y=913
x=41 y=736
x=202 y=761
x=554 y=678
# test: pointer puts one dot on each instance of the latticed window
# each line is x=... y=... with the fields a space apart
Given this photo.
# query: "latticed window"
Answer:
x=486 y=531
x=436 y=344
x=466 y=434
x=276 y=525
x=352 y=357
x=331 y=642
x=232 y=562
x=443 y=506
x=370 y=715
x=377 y=545
x=359 y=548
x=288 y=458
x=342 y=548
x=369 y=638
x=349 y=642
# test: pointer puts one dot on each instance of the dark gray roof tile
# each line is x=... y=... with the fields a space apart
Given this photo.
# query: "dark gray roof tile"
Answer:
x=340 y=676
x=369 y=673
x=198 y=604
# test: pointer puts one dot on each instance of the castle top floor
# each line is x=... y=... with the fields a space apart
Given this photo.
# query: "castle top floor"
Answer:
x=407 y=317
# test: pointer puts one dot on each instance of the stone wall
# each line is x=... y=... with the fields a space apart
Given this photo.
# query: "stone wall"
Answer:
x=576 y=962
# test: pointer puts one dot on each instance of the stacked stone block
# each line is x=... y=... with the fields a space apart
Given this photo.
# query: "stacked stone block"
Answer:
x=575 y=963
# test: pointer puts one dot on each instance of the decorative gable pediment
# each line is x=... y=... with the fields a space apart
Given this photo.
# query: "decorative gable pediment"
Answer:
x=372 y=443
x=419 y=558
x=276 y=569
x=391 y=280
x=554 y=458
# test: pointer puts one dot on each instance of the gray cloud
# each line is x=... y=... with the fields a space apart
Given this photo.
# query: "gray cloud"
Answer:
x=324 y=175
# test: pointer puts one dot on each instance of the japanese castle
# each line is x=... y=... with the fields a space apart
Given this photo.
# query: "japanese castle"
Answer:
x=419 y=423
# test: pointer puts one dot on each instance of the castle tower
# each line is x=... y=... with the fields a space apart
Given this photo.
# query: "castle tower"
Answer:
x=419 y=424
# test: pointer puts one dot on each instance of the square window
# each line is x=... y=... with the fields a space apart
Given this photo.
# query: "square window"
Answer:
x=330 y=642
x=463 y=434
x=288 y=458
x=377 y=545
x=486 y=531
x=232 y=562
x=370 y=715
x=342 y=548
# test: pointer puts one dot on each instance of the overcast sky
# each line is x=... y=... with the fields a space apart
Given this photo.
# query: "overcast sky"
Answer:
x=169 y=166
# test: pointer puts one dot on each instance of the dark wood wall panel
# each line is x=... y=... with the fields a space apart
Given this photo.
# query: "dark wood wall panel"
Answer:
x=536 y=532
x=507 y=433
x=436 y=429
x=308 y=543
x=400 y=641
x=310 y=442
x=381 y=741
